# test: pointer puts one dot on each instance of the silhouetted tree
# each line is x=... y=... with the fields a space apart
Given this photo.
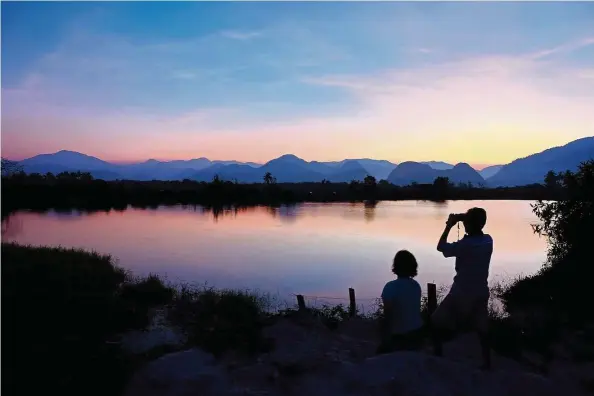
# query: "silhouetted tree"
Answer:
x=565 y=279
x=269 y=179
x=384 y=182
x=370 y=181
x=442 y=183
x=553 y=180
x=9 y=167
x=465 y=185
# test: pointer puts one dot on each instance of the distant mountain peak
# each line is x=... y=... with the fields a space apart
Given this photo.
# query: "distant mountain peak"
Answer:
x=533 y=168
x=69 y=153
x=289 y=157
x=462 y=165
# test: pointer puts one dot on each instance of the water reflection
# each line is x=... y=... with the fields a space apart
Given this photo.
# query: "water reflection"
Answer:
x=369 y=211
x=314 y=249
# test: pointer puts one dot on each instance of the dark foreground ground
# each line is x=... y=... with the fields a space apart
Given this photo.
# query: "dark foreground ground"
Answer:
x=80 y=324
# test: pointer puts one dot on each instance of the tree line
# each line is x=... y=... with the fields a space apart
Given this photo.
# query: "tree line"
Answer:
x=82 y=190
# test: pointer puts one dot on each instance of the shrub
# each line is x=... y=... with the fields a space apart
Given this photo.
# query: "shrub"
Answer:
x=59 y=308
x=564 y=281
x=221 y=320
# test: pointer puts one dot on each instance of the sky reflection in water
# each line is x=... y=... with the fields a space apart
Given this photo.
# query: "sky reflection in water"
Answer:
x=312 y=249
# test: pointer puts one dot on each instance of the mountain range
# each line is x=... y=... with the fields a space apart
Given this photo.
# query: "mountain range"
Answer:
x=290 y=169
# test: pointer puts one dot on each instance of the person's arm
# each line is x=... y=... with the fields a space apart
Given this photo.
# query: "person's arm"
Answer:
x=387 y=296
x=447 y=249
x=387 y=319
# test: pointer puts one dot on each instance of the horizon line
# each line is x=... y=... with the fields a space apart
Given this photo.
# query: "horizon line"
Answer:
x=477 y=166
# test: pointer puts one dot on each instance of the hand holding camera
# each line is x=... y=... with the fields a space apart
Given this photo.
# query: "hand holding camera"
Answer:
x=454 y=218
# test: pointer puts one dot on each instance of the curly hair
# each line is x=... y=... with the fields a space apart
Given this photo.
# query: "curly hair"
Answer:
x=405 y=264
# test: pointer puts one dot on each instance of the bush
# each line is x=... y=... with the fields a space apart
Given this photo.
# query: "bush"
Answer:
x=59 y=308
x=221 y=320
x=564 y=282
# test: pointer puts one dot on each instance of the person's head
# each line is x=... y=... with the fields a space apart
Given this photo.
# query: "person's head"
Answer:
x=405 y=264
x=475 y=220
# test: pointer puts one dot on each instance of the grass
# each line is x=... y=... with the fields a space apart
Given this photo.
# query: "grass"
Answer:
x=221 y=320
x=59 y=308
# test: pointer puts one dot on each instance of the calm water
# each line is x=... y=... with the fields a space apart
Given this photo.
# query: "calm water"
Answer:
x=311 y=249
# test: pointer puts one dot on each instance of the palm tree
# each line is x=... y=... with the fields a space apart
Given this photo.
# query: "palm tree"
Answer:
x=269 y=179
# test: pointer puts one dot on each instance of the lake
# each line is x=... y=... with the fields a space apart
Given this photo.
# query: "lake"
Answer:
x=313 y=249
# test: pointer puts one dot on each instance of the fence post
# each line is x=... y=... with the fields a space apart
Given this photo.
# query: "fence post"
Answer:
x=431 y=298
x=353 y=304
x=300 y=302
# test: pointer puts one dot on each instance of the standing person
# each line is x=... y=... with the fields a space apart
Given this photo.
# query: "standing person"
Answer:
x=467 y=302
x=401 y=326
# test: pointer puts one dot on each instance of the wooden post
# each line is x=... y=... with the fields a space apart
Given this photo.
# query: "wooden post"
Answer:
x=300 y=302
x=353 y=304
x=431 y=298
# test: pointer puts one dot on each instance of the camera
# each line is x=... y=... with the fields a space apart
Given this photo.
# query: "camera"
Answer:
x=456 y=217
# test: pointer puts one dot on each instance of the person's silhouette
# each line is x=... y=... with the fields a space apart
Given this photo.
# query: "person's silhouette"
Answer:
x=466 y=305
x=402 y=324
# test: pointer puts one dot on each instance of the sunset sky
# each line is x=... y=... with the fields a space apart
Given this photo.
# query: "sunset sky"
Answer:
x=482 y=83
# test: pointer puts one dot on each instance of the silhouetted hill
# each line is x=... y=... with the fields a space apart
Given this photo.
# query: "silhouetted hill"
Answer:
x=462 y=173
x=438 y=165
x=409 y=172
x=70 y=161
x=291 y=169
x=152 y=169
x=490 y=171
x=380 y=169
x=241 y=173
x=533 y=168
x=348 y=171
x=325 y=168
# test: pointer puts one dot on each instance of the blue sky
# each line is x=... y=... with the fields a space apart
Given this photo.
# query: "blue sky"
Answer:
x=476 y=82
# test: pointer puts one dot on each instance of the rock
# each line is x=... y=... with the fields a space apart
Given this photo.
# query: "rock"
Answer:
x=414 y=373
x=571 y=373
x=190 y=372
x=298 y=348
x=159 y=333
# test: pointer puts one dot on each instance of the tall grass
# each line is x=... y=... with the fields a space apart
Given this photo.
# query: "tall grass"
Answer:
x=59 y=308
x=221 y=320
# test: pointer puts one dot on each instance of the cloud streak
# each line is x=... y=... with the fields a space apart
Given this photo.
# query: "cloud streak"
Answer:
x=563 y=48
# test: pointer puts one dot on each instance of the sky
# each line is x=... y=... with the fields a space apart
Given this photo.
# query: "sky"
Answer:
x=483 y=83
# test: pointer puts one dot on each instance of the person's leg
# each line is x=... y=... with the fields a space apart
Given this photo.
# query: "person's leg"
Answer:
x=485 y=349
x=384 y=337
x=440 y=324
x=481 y=318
